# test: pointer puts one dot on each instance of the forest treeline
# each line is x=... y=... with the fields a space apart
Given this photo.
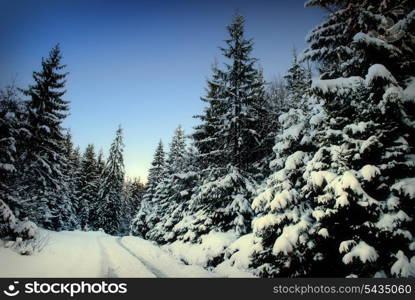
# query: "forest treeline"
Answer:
x=45 y=179
x=316 y=175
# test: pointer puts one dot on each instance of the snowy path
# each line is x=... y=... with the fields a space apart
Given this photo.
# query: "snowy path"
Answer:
x=118 y=262
x=95 y=254
x=106 y=269
x=147 y=264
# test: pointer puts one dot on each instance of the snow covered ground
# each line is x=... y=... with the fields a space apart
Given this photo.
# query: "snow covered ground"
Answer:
x=95 y=254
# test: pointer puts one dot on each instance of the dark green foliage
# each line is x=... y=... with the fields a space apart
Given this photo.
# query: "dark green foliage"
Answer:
x=42 y=178
x=111 y=188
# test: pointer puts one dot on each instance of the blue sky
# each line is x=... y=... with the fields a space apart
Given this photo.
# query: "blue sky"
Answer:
x=141 y=64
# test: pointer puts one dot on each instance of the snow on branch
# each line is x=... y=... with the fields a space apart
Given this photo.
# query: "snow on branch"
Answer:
x=361 y=251
x=339 y=86
x=378 y=44
x=379 y=72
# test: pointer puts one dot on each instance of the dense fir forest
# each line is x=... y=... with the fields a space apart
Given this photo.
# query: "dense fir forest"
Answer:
x=314 y=174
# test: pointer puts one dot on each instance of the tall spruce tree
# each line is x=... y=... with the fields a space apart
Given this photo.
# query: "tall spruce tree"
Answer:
x=88 y=186
x=230 y=142
x=157 y=169
x=232 y=126
x=360 y=176
x=73 y=172
x=243 y=96
x=12 y=119
x=42 y=177
x=111 y=188
x=95 y=202
x=297 y=80
x=176 y=157
x=357 y=221
x=12 y=131
x=343 y=210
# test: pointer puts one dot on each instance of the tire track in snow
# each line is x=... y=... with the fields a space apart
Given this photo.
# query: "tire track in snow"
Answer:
x=143 y=261
x=106 y=269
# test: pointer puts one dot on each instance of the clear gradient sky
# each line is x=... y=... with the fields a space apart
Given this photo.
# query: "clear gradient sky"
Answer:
x=144 y=63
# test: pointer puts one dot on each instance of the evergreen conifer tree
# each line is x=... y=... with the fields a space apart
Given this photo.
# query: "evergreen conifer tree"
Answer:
x=358 y=179
x=342 y=210
x=231 y=142
x=157 y=169
x=134 y=191
x=206 y=135
x=297 y=80
x=88 y=186
x=174 y=192
x=73 y=172
x=111 y=188
x=141 y=222
x=282 y=223
x=42 y=178
x=95 y=202
x=12 y=134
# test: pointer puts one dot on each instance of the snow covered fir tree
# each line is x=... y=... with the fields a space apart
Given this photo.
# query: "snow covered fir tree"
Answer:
x=344 y=210
x=44 y=178
x=310 y=175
